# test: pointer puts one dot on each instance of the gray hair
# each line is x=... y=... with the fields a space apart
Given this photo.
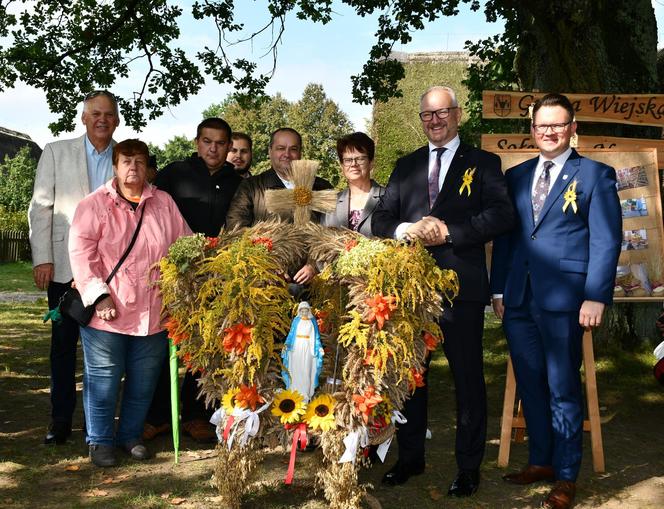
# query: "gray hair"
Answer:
x=440 y=88
x=98 y=93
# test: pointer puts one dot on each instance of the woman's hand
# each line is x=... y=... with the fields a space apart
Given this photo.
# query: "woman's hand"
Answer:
x=105 y=309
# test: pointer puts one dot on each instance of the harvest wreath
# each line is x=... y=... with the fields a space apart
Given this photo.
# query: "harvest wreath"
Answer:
x=376 y=304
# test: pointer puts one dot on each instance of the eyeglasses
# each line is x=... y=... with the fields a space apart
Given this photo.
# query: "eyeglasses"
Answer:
x=350 y=161
x=556 y=128
x=442 y=113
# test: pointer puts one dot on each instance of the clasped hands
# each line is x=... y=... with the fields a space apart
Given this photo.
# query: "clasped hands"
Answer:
x=430 y=230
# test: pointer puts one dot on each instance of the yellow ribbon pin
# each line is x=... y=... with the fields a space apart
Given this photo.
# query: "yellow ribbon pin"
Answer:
x=467 y=180
x=570 y=197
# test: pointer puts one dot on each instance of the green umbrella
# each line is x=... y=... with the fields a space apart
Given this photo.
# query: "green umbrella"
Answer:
x=175 y=400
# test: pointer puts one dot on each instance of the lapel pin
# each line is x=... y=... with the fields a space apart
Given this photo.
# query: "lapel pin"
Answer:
x=564 y=177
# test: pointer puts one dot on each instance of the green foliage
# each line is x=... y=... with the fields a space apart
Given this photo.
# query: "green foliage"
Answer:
x=397 y=130
x=17 y=178
x=491 y=69
x=14 y=221
x=319 y=119
x=70 y=48
x=177 y=148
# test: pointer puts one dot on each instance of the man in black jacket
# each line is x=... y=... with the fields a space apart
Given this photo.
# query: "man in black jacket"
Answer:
x=453 y=197
x=202 y=187
x=249 y=207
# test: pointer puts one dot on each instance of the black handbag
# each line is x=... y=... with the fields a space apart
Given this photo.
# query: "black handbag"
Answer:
x=71 y=303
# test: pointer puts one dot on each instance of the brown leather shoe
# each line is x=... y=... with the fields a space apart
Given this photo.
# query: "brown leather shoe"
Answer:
x=531 y=474
x=561 y=496
x=151 y=431
x=200 y=430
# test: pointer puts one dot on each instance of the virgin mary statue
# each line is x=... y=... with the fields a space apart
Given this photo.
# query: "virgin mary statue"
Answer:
x=303 y=353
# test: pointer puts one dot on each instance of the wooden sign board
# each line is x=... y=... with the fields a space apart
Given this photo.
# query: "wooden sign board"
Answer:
x=640 y=198
x=639 y=109
x=495 y=142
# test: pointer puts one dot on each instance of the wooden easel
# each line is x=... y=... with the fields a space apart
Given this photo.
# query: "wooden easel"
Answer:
x=518 y=423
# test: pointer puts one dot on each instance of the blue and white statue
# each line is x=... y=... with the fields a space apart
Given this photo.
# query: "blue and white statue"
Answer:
x=303 y=353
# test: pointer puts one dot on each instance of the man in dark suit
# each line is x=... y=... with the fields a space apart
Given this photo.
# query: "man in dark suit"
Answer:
x=551 y=277
x=453 y=197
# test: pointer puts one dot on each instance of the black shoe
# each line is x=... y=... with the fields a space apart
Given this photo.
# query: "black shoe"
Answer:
x=102 y=455
x=58 y=433
x=401 y=472
x=465 y=484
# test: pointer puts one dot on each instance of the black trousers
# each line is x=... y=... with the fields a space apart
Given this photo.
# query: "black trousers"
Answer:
x=463 y=327
x=191 y=408
x=64 y=340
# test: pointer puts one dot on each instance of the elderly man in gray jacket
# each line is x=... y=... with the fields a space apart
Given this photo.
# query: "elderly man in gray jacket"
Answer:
x=68 y=170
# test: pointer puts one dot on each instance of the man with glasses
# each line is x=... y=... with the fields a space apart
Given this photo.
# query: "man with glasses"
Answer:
x=454 y=199
x=68 y=170
x=551 y=278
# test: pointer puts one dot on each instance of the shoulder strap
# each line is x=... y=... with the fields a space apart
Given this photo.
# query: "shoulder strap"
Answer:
x=131 y=244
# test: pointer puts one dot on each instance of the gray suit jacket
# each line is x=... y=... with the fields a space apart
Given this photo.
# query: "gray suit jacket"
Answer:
x=339 y=217
x=61 y=182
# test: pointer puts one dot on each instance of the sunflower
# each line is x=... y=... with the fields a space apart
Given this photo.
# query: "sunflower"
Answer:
x=228 y=401
x=320 y=413
x=289 y=406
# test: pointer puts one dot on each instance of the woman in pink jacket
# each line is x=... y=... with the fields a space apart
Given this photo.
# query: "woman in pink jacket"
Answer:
x=126 y=336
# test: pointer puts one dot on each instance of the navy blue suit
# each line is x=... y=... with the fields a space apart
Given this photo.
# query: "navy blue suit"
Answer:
x=545 y=271
x=472 y=220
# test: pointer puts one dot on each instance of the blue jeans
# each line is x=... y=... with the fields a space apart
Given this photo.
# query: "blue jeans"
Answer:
x=106 y=357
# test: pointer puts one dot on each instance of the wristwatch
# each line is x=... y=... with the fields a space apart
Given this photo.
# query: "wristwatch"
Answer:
x=448 y=239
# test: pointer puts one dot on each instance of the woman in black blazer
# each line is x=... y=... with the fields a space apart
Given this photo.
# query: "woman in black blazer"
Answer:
x=356 y=203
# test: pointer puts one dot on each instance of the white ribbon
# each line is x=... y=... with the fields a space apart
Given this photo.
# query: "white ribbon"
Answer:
x=397 y=418
x=216 y=419
x=357 y=438
x=250 y=427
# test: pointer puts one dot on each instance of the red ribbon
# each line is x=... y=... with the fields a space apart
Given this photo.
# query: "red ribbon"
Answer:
x=227 y=428
x=299 y=438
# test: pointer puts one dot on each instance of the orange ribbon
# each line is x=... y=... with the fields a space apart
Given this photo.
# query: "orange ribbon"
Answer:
x=299 y=438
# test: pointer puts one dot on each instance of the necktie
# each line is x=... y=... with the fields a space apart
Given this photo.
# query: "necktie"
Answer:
x=434 y=176
x=541 y=189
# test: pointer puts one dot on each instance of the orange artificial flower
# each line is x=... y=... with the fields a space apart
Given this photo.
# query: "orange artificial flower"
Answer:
x=237 y=338
x=248 y=397
x=321 y=321
x=266 y=241
x=380 y=308
x=211 y=242
x=175 y=331
x=350 y=244
x=365 y=402
x=418 y=379
x=431 y=341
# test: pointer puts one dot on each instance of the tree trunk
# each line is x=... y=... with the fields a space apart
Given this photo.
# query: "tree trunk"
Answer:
x=588 y=46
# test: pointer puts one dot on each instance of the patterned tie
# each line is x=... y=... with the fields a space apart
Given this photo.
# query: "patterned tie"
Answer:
x=541 y=189
x=434 y=176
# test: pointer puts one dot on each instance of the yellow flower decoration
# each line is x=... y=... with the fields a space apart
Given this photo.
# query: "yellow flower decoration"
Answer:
x=228 y=400
x=320 y=413
x=570 y=197
x=467 y=180
x=289 y=406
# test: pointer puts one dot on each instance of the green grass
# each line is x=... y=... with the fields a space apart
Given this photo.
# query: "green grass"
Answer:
x=16 y=277
x=34 y=475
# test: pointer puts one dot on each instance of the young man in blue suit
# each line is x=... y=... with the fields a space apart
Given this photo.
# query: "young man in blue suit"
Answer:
x=551 y=278
x=452 y=197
